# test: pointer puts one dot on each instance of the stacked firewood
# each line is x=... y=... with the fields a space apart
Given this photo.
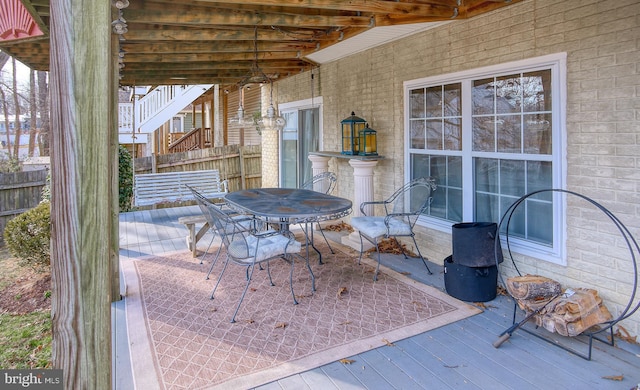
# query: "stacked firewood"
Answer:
x=567 y=312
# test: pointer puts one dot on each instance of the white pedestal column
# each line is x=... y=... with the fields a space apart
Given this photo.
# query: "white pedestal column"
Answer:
x=319 y=164
x=363 y=192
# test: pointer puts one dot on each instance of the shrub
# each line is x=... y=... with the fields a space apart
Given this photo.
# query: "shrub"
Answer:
x=28 y=237
x=8 y=164
x=125 y=178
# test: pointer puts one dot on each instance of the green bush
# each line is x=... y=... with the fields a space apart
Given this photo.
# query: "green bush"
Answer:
x=28 y=237
x=125 y=178
x=8 y=164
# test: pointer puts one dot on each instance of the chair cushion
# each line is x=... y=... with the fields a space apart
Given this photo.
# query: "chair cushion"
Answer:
x=374 y=226
x=267 y=247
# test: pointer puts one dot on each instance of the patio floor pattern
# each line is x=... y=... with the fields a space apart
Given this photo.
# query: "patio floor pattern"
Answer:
x=455 y=356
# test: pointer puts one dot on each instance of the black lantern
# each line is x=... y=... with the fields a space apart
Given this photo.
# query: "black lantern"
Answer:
x=368 y=144
x=351 y=128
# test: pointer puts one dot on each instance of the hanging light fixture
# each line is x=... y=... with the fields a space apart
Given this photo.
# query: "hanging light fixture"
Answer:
x=272 y=120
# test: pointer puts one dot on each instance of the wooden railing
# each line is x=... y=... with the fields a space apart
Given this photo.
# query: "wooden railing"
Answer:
x=195 y=139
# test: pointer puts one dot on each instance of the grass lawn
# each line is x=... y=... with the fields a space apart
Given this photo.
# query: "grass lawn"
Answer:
x=25 y=335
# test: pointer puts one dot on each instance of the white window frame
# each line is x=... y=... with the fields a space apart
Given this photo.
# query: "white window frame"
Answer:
x=557 y=63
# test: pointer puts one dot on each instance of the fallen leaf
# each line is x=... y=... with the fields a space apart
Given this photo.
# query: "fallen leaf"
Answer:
x=249 y=321
x=388 y=343
x=623 y=334
x=253 y=289
x=345 y=323
x=346 y=361
x=405 y=273
x=281 y=325
x=339 y=227
x=342 y=290
x=614 y=377
x=480 y=304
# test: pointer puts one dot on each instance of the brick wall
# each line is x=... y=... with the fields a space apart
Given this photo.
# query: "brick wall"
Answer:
x=602 y=42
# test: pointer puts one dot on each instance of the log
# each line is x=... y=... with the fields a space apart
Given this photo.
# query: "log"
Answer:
x=572 y=313
x=533 y=287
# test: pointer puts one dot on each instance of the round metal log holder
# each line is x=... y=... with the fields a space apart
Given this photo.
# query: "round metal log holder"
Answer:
x=634 y=250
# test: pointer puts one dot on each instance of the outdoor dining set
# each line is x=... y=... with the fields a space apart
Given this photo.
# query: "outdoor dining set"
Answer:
x=254 y=225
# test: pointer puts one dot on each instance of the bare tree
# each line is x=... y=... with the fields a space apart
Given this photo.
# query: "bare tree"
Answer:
x=17 y=124
x=5 y=110
x=43 y=107
x=33 y=112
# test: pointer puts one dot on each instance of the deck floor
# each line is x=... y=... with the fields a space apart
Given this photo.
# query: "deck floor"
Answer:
x=455 y=356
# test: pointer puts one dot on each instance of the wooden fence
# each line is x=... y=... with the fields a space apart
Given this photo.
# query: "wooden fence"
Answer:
x=240 y=165
x=19 y=192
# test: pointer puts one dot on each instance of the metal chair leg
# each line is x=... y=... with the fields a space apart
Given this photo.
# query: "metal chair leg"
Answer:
x=293 y=294
x=420 y=254
x=246 y=287
x=325 y=239
x=219 y=278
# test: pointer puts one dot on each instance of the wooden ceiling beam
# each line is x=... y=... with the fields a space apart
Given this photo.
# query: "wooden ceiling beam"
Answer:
x=178 y=15
x=363 y=6
x=214 y=47
x=217 y=57
x=246 y=66
x=172 y=33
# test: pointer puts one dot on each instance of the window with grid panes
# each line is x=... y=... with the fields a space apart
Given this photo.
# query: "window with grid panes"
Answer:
x=490 y=136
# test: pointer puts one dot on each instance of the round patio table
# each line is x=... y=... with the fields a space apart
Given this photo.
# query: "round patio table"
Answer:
x=291 y=205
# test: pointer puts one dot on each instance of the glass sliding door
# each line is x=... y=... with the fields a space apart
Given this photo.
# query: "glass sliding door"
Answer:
x=300 y=136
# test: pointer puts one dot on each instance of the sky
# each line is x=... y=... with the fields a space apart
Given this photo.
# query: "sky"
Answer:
x=21 y=69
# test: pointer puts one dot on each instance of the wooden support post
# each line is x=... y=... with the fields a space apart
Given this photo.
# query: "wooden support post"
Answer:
x=81 y=196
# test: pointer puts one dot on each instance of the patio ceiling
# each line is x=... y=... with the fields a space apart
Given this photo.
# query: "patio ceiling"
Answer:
x=232 y=43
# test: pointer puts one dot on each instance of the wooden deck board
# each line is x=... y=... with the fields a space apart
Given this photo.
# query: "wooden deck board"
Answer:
x=455 y=356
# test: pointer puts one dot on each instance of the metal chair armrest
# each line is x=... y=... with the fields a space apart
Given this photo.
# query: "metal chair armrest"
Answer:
x=364 y=204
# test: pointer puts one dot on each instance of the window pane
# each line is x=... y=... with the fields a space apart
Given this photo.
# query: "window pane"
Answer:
x=453 y=134
x=447 y=171
x=434 y=134
x=484 y=134
x=488 y=209
x=512 y=178
x=509 y=134
x=434 y=102
x=452 y=100
x=416 y=103
x=537 y=134
x=483 y=97
x=417 y=134
x=539 y=221
x=517 y=221
x=508 y=94
x=537 y=91
x=419 y=166
x=486 y=175
x=540 y=177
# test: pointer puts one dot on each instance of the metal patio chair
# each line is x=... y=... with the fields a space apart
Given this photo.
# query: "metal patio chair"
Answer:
x=246 y=222
x=323 y=182
x=249 y=248
x=402 y=210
